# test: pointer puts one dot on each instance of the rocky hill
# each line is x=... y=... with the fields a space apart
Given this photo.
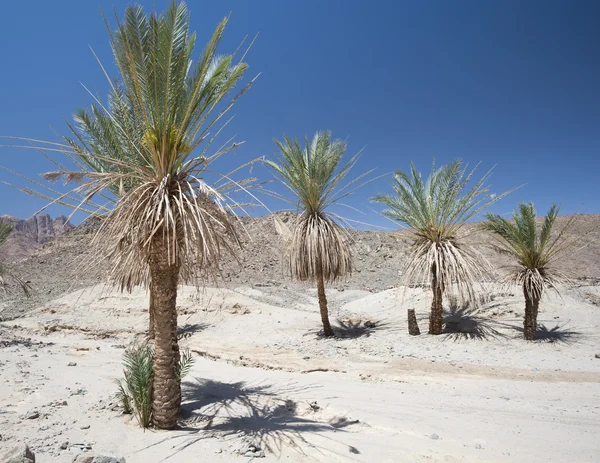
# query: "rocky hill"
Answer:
x=29 y=234
x=64 y=264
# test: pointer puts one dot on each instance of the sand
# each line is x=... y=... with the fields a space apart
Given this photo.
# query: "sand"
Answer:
x=263 y=375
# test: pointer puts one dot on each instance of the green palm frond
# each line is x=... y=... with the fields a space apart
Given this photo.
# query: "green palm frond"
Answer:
x=437 y=210
x=314 y=175
x=533 y=248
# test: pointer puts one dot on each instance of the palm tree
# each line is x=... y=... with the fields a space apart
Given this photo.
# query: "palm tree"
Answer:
x=318 y=248
x=146 y=152
x=5 y=273
x=436 y=212
x=535 y=252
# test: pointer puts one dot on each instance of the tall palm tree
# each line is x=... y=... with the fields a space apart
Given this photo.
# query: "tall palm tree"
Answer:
x=146 y=152
x=5 y=272
x=534 y=250
x=436 y=212
x=318 y=248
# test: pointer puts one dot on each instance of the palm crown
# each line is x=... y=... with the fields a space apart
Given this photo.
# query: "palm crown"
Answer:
x=437 y=210
x=312 y=173
x=138 y=147
x=533 y=248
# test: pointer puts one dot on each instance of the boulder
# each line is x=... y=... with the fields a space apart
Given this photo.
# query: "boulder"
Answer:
x=19 y=454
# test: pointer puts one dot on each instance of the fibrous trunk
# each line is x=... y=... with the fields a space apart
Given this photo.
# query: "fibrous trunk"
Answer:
x=151 y=315
x=413 y=327
x=166 y=394
x=327 y=330
x=531 y=313
x=436 y=317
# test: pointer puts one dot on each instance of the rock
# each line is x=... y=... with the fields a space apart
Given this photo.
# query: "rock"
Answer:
x=103 y=459
x=72 y=364
x=29 y=234
x=97 y=459
x=79 y=448
x=434 y=437
x=64 y=446
x=598 y=356
x=83 y=459
x=85 y=426
x=32 y=415
x=254 y=451
x=19 y=454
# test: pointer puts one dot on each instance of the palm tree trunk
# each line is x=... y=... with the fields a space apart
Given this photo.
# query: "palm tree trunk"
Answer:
x=413 y=326
x=166 y=395
x=151 y=314
x=327 y=330
x=531 y=313
x=436 y=316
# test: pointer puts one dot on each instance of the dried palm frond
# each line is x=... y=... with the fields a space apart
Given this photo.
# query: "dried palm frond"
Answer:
x=318 y=244
x=437 y=211
x=535 y=249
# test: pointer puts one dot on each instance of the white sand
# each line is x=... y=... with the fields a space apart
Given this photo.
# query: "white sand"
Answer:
x=487 y=395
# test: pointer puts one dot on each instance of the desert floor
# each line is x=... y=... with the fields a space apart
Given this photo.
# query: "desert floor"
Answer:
x=263 y=375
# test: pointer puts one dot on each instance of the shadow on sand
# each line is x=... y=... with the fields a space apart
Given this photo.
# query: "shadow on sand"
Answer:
x=462 y=323
x=352 y=328
x=358 y=328
x=188 y=329
x=556 y=335
x=257 y=413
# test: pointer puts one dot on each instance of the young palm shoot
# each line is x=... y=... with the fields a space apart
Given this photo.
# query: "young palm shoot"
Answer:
x=147 y=152
x=436 y=211
x=534 y=251
x=318 y=248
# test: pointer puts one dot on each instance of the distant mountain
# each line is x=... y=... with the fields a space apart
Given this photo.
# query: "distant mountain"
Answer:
x=29 y=234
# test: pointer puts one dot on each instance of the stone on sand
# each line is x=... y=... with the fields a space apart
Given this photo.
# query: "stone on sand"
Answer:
x=19 y=454
x=87 y=458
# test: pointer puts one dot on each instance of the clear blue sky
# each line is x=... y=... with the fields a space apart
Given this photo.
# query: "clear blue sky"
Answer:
x=512 y=83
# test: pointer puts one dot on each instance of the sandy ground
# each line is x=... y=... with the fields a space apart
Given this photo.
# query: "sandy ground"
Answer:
x=264 y=375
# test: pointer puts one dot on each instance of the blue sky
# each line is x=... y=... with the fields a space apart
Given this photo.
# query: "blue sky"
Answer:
x=509 y=83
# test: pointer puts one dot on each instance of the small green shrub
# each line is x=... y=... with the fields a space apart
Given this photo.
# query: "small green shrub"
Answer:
x=135 y=389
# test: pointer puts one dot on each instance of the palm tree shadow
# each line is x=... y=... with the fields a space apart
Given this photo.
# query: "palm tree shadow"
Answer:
x=353 y=328
x=256 y=412
x=462 y=323
x=188 y=329
x=358 y=328
x=556 y=335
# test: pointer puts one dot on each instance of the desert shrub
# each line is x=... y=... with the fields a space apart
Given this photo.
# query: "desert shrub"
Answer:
x=135 y=388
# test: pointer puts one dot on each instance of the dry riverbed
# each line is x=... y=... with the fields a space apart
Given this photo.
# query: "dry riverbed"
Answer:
x=263 y=376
